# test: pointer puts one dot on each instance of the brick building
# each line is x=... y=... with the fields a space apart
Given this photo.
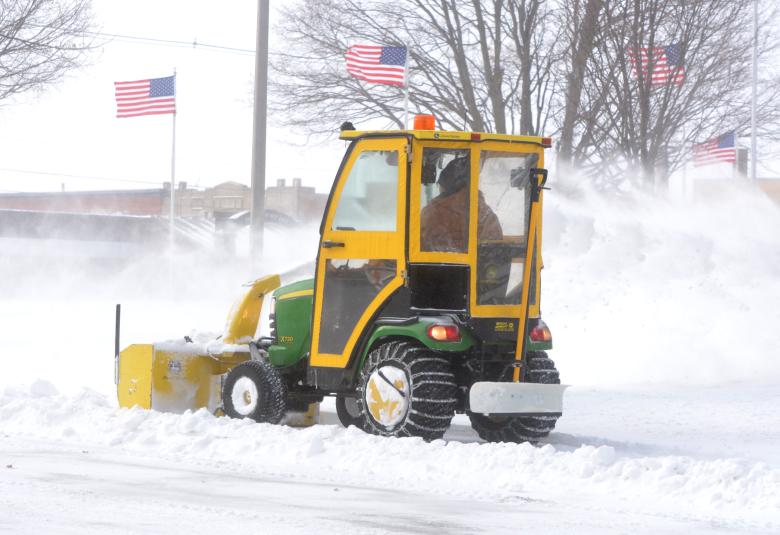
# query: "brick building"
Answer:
x=128 y=202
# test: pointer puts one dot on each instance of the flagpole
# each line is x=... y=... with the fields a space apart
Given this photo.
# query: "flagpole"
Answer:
x=406 y=89
x=753 y=151
x=685 y=164
x=173 y=168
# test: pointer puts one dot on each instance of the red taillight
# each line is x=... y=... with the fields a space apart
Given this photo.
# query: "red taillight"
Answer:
x=444 y=333
x=546 y=142
x=540 y=333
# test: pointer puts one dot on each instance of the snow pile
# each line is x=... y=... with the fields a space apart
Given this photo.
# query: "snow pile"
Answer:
x=723 y=488
x=636 y=290
x=640 y=290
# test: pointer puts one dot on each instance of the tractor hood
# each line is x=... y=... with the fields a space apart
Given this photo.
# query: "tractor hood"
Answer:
x=306 y=285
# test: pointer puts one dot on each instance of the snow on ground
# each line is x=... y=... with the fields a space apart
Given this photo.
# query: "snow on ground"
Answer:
x=665 y=322
x=62 y=442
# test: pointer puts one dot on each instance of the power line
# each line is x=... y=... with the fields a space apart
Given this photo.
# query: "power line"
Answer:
x=81 y=177
x=174 y=43
x=158 y=42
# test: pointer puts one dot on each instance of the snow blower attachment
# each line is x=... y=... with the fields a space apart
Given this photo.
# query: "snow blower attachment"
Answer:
x=425 y=302
x=186 y=374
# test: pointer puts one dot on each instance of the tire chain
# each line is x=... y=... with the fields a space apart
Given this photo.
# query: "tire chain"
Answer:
x=272 y=391
x=432 y=390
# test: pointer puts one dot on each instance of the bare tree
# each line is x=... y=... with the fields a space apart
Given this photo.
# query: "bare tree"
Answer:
x=630 y=119
x=581 y=23
x=561 y=67
x=40 y=41
x=484 y=65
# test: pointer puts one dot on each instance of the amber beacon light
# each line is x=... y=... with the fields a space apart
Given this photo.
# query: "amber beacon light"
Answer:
x=424 y=121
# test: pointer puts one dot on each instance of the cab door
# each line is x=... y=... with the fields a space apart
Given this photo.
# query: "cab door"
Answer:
x=361 y=255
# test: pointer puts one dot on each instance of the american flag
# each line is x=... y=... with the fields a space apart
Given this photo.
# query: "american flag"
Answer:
x=380 y=64
x=667 y=64
x=720 y=149
x=156 y=96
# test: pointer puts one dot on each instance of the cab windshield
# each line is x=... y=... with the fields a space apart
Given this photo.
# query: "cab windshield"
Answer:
x=444 y=200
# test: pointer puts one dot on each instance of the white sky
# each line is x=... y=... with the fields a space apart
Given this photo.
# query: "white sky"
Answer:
x=71 y=128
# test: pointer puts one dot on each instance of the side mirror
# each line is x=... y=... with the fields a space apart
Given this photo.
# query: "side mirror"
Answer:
x=538 y=179
x=518 y=175
x=428 y=175
x=429 y=166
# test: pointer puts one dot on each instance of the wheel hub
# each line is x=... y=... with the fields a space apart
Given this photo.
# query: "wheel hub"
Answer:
x=387 y=396
x=244 y=396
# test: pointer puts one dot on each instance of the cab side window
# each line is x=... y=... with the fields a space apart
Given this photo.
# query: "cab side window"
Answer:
x=369 y=198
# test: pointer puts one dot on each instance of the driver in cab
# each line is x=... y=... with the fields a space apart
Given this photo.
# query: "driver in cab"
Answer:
x=444 y=221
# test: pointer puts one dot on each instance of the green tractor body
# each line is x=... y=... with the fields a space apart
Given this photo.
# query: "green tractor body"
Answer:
x=291 y=329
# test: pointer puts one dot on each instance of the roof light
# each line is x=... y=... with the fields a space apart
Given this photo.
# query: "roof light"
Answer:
x=444 y=333
x=546 y=142
x=540 y=333
x=423 y=121
x=475 y=137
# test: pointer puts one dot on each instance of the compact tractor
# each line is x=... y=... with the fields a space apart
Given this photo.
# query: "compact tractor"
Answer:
x=424 y=303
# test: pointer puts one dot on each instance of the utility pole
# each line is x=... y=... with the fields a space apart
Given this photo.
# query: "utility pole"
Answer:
x=258 y=131
x=753 y=150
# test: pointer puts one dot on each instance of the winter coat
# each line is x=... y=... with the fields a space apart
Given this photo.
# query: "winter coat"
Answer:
x=444 y=223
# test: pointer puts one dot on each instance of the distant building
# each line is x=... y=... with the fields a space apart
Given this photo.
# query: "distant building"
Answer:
x=228 y=200
x=109 y=202
x=303 y=204
x=771 y=187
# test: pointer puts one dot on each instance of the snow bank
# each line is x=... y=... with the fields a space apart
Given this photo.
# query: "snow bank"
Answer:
x=720 y=489
x=640 y=290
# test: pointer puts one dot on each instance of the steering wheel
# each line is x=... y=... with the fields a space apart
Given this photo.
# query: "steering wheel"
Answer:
x=379 y=273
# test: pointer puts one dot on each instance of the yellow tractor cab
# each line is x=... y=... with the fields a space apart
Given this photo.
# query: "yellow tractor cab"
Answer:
x=425 y=301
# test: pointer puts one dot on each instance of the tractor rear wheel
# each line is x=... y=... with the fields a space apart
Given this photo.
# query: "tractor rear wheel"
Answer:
x=406 y=390
x=254 y=389
x=541 y=369
x=348 y=411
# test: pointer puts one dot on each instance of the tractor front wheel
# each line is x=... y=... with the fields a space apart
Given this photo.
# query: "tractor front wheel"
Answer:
x=406 y=390
x=254 y=389
x=541 y=369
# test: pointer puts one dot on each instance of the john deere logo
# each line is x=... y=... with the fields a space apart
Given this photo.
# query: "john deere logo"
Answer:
x=505 y=327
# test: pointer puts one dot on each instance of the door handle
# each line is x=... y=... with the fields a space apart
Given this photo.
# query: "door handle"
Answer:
x=327 y=244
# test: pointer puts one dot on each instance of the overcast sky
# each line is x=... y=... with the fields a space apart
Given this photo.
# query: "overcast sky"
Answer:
x=71 y=128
